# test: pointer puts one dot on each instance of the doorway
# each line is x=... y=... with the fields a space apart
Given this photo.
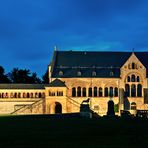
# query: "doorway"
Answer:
x=58 y=108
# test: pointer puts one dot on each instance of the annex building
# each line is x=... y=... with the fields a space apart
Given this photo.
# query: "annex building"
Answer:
x=75 y=76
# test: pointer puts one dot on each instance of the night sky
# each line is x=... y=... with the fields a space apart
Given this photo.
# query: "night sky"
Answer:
x=29 y=29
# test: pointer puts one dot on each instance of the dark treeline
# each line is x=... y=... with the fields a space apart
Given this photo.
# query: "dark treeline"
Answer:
x=22 y=76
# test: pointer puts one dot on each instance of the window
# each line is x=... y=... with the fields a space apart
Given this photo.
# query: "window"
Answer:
x=84 y=92
x=19 y=95
x=111 y=91
x=129 y=66
x=133 y=78
x=139 y=90
x=127 y=90
x=106 y=92
x=73 y=92
x=60 y=73
x=111 y=73
x=100 y=92
x=133 y=65
x=79 y=92
x=116 y=92
x=28 y=96
x=133 y=90
x=79 y=73
x=138 y=79
x=59 y=93
x=15 y=95
x=95 y=91
x=128 y=79
x=90 y=92
x=94 y=73
x=49 y=93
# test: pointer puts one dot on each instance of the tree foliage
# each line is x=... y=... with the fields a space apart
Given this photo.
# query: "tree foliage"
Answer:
x=3 y=77
x=45 y=78
x=23 y=76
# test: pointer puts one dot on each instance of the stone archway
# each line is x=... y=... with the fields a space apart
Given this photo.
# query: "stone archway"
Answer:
x=58 y=108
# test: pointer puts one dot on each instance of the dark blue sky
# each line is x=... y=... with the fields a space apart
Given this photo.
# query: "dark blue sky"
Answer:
x=29 y=29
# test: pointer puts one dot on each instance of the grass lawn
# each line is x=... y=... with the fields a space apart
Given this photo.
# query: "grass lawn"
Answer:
x=41 y=131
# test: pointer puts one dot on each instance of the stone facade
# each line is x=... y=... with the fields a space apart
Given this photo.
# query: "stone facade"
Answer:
x=65 y=94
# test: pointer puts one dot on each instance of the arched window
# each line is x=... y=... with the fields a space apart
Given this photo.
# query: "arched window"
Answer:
x=79 y=73
x=19 y=95
x=28 y=96
x=36 y=95
x=73 y=92
x=84 y=92
x=127 y=90
x=6 y=95
x=94 y=73
x=133 y=65
x=138 y=79
x=50 y=94
x=111 y=91
x=139 y=90
x=106 y=92
x=133 y=90
x=116 y=92
x=40 y=95
x=128 y=79
x=15 y=95
x=90 y=92
x=133 y=106
x=79 y=92
x=133 y=78
x=100 y=92
x=95 y=91
x=129 y=66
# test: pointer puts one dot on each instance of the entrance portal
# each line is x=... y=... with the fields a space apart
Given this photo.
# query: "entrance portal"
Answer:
x=58 y=108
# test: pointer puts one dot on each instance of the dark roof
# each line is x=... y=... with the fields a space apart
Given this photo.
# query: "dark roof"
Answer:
x=22 y=86
x=56 y=83
x=106 y=64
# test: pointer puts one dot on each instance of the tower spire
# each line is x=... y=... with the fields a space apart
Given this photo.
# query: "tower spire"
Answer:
x=55 y=48
x=133 y=50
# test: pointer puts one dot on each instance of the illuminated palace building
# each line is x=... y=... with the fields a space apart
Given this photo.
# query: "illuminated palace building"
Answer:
x=75 y=76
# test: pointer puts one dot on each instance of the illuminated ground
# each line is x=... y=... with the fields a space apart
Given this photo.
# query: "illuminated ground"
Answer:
x=40 y=131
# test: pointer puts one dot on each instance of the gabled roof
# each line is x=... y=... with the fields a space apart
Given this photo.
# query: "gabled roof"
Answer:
x=105 y=64
x=90 y=59
x=56 y=83
x=22 y=86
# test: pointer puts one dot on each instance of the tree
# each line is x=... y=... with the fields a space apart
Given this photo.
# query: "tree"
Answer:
x=23 y=76
x=35 y=79
x=45 y=78
x=3 y=78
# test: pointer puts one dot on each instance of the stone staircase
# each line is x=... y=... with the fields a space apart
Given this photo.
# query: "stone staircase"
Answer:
x=35 y=108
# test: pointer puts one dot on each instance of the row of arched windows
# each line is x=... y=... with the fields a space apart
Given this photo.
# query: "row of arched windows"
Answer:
x=22 y=95
x=58 y=93
x=95 y=92
x=133 y=78
x=133 y=90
